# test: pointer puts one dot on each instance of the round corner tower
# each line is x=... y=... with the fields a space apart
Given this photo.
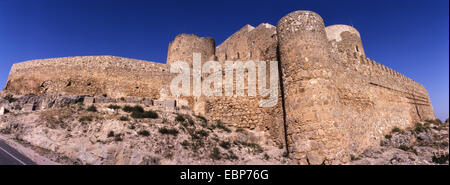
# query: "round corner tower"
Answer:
x=309 y=93
x=347 y=38
x=184 y=45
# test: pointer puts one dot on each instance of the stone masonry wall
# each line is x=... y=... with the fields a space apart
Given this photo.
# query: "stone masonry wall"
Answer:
x=91 y=75
x=338 y=102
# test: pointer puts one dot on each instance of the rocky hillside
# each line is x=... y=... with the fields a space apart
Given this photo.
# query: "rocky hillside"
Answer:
x=65 y=130
x=69 y=132
x=424 y=144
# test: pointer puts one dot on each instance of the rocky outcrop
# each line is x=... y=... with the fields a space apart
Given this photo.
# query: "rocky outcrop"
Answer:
x=425 y=144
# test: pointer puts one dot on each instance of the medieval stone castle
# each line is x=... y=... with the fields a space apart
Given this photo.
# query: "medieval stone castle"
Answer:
x=333 y=100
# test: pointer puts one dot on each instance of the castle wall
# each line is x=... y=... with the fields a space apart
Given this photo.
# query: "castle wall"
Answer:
x=184 y=45
x=256 y=44
x=333 y=101
x=91 y=75
x=337 y=101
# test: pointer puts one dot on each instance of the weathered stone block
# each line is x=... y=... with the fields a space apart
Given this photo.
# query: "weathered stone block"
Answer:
x=104 y=100
x=133 y=100
x=29 y=107
x=2 y=110
x=147 y=102
x=89 y=100
x=171 y=104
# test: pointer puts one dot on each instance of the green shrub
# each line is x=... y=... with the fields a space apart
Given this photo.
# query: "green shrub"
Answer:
x=10 y=98
x=231 y=155
x=115 y=107
x=404 y=147
x=442 y=159
x=418 y=127
x=85 y=118
x=388 y=136
x=255 y=147
x=225 y=144
x=266 y=157
x=215 y=154
x=202 y=118
x=145 y=114
x=202 y=133
x=220 y=125
x=124 y=118
x=185 y=144
x=144 y=133
x=111 y=134
x=92 y=108
x=191 y=121
x=179 y=118
x=136 y=108
x=171 y=131
x=118 y=137
x=353 y=157
x=396 y=129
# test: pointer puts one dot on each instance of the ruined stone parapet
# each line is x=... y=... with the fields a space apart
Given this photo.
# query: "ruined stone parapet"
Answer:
x=91 y=75
x=184 y=45
x=236 y=46
x=347 y=38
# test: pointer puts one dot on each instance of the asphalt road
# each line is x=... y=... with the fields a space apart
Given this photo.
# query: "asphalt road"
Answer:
x=10 y=156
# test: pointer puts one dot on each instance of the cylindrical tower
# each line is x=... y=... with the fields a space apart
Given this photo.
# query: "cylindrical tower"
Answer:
x=184 y=45
x=309 y=94
x=347 y=38
x=182 y=48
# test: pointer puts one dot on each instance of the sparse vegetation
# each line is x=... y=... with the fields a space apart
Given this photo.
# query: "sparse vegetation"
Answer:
x=204 y=120
x=215 y=154
x=144 y=133
x=92 y=108
x=266 y=157
x=353 y=157
x=111 y=134
x=442 y=159
x=171 y=131
x=179 y=118
x=256 y=148
x=115 y=107
x=403 y=147
x=220 y=125
x=396 y=130
x=185 y=144
x=130 y=109
x=388 y=136
x=419 y=127
x=118 y=137
x=145 y=114
x=10 y=98
x=225 y=144
x=124 y=118
x=85 y=118
x=240 y=130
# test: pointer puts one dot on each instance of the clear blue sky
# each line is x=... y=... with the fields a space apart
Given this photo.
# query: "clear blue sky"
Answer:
x=411 y=37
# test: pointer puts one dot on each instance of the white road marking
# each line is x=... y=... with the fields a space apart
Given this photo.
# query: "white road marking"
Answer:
x=12 y=156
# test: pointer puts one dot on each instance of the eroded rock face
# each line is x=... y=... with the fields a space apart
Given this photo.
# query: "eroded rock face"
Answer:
x=422 y=145
x=101 y=137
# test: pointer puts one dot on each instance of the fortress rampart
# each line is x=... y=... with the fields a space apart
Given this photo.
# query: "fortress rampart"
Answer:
x=91 y=75
x=333 y=101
